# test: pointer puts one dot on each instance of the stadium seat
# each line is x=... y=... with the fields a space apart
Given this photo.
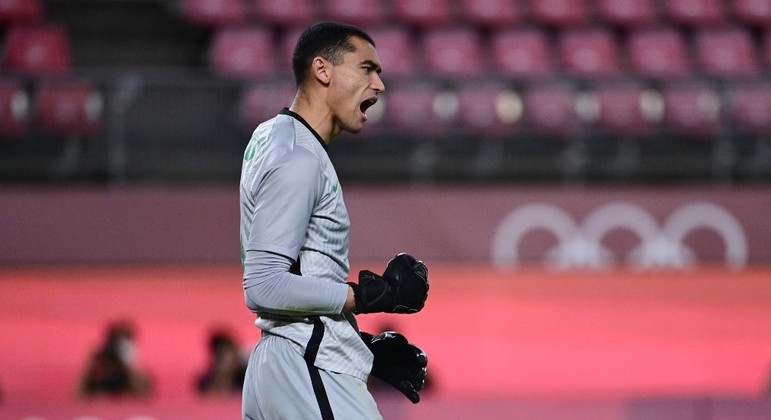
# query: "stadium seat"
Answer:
x=589 y=52
x=286 y=43
x=750 y=108
x=753 y=12
x=658 y=52
x=559 y=13
x=357 y=12
x=283 y=12
x=14 y=109
x=726 y=52
x=68 y=108
x=214 y=12
x=491 y=13
x=626 y=111
x=262 y=101
x=243 y=52
x=419 y=107
x=423 y=13
x=396 y=50
x=521 y=53
x=767 y=48
x=627 y=13
x=695 y=12
x=489 y=108
x=40 y=49
x=453 y=52
x=551 y=110
x=21 y=11
x=691 y=110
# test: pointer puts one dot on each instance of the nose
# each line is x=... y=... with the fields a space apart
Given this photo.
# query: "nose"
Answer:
x=377 y=83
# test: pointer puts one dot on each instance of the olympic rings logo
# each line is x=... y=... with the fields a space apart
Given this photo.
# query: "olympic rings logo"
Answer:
x=581 y=246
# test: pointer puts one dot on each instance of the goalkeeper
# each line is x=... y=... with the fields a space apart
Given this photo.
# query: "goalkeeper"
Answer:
x=312 y=362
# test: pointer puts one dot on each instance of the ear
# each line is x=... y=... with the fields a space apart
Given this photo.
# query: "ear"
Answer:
x=320 y=69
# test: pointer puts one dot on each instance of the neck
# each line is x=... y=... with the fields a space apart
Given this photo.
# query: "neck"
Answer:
x=317 y=116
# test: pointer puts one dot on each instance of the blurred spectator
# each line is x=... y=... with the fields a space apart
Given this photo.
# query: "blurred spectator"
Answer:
x=226 y=367
x=112 y=369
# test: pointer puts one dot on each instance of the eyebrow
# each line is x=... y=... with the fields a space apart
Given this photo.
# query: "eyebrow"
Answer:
x=370 y=63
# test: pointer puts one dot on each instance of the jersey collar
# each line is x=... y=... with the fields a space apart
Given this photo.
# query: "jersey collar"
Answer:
x=287 y=111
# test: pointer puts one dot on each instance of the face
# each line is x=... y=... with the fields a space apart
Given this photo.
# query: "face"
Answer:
x=354 y=86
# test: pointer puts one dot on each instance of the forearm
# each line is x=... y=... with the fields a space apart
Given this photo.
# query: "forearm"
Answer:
x=270 y=287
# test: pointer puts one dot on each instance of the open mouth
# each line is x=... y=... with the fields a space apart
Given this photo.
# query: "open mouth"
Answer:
x=366 y=104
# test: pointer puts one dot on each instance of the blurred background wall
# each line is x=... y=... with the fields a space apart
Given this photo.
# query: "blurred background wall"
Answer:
x=590 y=181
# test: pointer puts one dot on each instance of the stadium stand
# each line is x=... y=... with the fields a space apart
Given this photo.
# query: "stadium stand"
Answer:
x=358 y=12
x=555 y=54
x=68 y=108
x=14 y=109
x=521 y=53
x=491 y=13
x=453 y=52
x=726 y=52
x=551 y=110
x=214 y=12
x=21 y=11
x=691 y=110
x=488 y=108
x=243 y=52
x=423 y=13
x=38 y=49
x=589 y=52
x=627 y=13
x=658 y=52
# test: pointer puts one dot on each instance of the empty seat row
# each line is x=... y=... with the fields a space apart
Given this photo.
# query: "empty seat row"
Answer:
x=52 y=107
x=661 y=51
x=489 y=13
x=493 y=109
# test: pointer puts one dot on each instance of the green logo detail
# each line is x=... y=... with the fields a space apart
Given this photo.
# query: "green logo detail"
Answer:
x=251 y=148
x=334 y=187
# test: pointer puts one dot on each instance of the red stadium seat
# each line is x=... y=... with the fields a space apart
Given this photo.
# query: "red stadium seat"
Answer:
x=419 y=107
x=767 y=48
x=72 y=108
x=695 y=12
x=284 y=12
x=691 y=110
x=243 y=52
x=589 y=52
x=214 y=12
x=423 y=12
x=262 y=101
x=21 y=11
x=726 y=52
x=489 y=108
x=357 y=12
x=453 y=52
x=559 y=13
x=521 y=53
x=658 y=52
x=38 y=49
x=628 y=111
x=753 y=12
x=14 y=109
x=395 y=49
x=750 y=108
x=286 y=44
x=491 y=13
x=551 y=110
x=627 y=13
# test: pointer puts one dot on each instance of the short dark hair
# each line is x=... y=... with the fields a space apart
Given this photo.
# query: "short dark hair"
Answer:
x=326 y=39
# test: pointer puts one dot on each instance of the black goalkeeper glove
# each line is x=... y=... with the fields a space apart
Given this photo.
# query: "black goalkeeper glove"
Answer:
x=398 y=363
x=403 y=287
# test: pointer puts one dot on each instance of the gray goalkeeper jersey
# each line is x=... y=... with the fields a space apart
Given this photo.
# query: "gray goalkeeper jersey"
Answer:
x=292 y=208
